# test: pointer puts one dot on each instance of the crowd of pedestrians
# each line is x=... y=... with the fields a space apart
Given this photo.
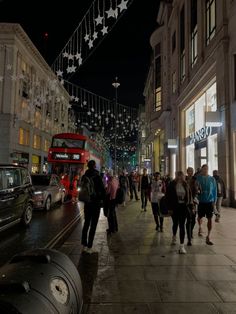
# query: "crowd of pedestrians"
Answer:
x=187 y=199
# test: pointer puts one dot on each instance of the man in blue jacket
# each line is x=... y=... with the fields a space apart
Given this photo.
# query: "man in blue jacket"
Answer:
x=207 y=200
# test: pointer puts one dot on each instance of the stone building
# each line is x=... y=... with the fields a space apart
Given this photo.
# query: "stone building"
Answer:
x=190 y=91
x=33 y=104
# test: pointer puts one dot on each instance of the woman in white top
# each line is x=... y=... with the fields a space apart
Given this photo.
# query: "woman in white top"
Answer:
x=157 y=192
x=179 y=199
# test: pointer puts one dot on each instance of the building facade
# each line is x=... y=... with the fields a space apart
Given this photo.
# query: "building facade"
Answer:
x=33 y=104
x=192 y=83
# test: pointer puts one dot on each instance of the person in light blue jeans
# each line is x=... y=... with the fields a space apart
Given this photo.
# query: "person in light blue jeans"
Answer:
x=207 y=200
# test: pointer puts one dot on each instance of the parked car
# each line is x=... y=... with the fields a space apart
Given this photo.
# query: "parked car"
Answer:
x=16 y=196
x=47 y=190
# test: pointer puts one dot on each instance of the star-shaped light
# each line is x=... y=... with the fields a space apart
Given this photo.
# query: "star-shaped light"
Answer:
x=14 y=77
x=80 y=61
x=90 y=43
x=123 y=5
x=76 y=99
x=111 y=13
x=99 y=19
x=104 y=30
x=68 y=69
x=9 y=67
x=86 y=37
x=59 y=72
x=65 y=54
x=78 y=55
x=70 y=56
x=84 y=102
x=95 y=35
x=73 y=68
x=21 y=76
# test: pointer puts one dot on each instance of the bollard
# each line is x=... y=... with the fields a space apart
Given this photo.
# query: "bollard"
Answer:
x=40 y=281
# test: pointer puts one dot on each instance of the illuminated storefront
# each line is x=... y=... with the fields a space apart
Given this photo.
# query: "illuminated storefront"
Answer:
x=201 y=141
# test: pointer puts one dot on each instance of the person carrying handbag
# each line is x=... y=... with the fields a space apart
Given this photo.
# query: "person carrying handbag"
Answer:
x=179 y=198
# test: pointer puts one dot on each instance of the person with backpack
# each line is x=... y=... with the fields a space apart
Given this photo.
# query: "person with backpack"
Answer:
x=221 y=194
x=92 y=193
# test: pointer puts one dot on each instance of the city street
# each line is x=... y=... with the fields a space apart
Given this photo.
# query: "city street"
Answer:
x=138 y=271
x=47 y=229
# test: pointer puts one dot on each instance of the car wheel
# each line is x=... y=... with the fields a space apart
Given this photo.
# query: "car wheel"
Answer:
x=27 y=215
x=48 y=203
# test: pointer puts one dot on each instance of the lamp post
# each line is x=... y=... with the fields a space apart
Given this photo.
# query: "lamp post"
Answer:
x=115 y=84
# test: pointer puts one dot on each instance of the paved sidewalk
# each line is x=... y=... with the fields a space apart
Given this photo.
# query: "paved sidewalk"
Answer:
x=138 y=271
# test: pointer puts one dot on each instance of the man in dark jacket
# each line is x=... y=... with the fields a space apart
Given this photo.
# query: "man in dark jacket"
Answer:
x=92 y=208
x=221 y=194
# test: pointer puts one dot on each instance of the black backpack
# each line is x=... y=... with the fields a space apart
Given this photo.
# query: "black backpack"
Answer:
x=87 y=191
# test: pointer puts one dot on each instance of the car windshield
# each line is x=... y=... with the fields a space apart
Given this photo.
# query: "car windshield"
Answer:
x=40 y=180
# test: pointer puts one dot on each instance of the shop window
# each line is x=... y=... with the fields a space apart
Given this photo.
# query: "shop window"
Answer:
x=182 y=44
x=212 y=153
x=37 y=142
x=190 y=156
x=190 y=121
x=210 y=20
x=24 y=137
x=211 y=100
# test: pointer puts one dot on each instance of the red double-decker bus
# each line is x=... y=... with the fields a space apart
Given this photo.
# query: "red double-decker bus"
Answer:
x=70 y=152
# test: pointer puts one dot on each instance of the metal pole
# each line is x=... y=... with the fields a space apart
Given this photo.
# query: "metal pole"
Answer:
x=115 y=85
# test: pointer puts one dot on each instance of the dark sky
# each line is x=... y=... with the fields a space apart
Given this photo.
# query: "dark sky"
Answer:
x=124 y=53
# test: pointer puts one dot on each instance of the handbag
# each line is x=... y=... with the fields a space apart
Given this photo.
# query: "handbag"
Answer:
x=165 y=212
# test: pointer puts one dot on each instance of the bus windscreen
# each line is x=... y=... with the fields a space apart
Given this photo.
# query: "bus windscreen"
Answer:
x=67 y=143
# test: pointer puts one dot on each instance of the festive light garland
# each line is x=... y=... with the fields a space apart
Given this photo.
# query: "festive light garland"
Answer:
x=98 y=21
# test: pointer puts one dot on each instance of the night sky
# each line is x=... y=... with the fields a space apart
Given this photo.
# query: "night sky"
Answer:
x=124 y=53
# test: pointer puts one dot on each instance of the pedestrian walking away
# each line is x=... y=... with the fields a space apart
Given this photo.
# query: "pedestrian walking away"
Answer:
x=157 y=192
x=221 y=194
x=179 y=199
x=207 y=200
x=112 y=187
x=92 y=207
x=144 y=186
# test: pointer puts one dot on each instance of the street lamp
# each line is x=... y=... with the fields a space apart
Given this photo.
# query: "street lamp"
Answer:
x=115 y=84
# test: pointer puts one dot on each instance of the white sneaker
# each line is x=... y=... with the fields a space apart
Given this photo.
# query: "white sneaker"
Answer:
x=182 y=249
x=173 y=242
x=91 y=251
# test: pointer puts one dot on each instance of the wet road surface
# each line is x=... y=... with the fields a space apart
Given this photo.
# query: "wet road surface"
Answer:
x=43 y=228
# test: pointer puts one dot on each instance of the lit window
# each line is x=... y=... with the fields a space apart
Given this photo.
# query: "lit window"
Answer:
x=37 y=119
x=210 y=20
x=158 y=99
x=194 y=32
x=24 y=136
x=37 y=142
x=46 y=145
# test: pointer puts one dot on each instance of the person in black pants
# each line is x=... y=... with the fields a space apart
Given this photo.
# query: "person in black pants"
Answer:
x=145 y=189
x=92 y=208
x=179 y=199
x=132 y=186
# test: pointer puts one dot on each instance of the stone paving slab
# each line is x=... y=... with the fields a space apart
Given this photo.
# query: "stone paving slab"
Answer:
x=138 y=271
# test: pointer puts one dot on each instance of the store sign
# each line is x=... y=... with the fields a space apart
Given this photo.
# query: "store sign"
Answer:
x=200 y=135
